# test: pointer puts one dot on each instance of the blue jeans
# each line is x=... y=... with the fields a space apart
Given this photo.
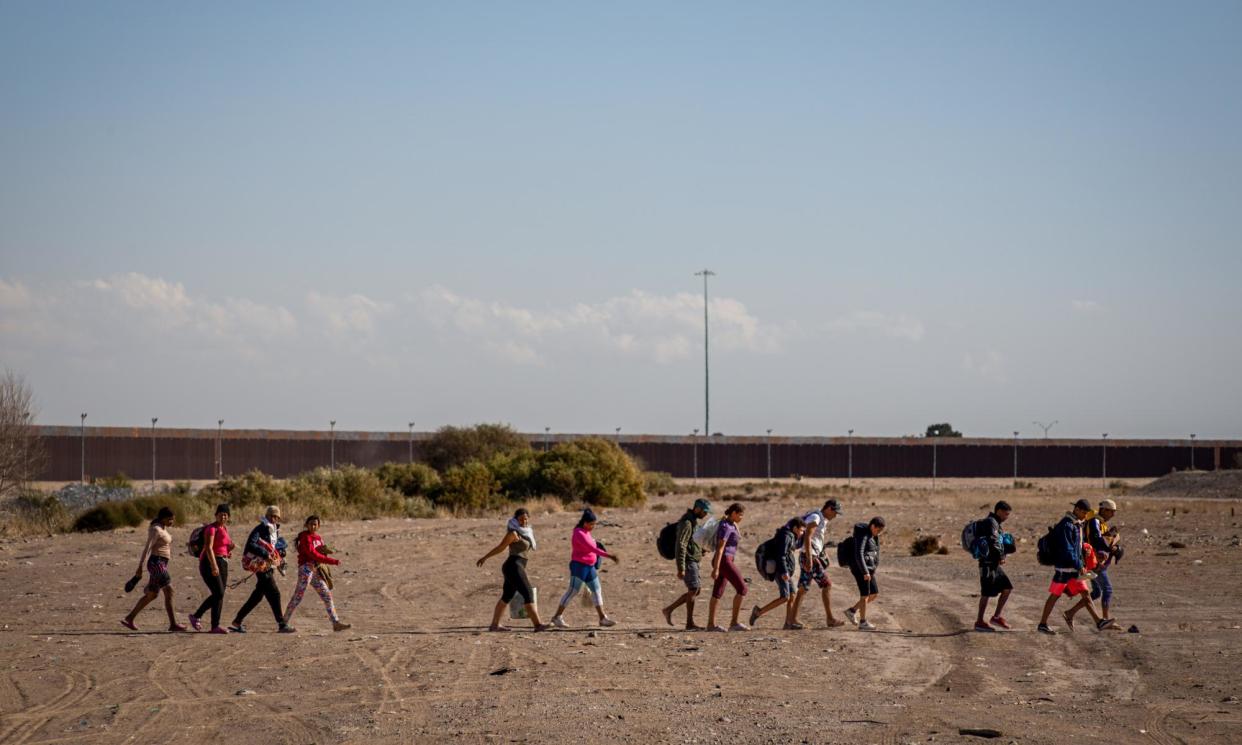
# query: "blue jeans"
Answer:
x=1103 y=585
x=583 y=575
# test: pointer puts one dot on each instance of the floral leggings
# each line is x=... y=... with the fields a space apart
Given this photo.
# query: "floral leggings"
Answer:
x=307 y=574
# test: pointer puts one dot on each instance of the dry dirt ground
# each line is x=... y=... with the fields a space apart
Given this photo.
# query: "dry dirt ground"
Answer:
x=418 y=666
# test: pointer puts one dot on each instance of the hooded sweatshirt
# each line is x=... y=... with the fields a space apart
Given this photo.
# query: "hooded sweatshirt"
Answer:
x=866 y=556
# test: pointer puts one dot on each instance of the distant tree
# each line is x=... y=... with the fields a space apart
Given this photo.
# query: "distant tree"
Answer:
x=457 y=446
x=943 y=429
x=22 y=455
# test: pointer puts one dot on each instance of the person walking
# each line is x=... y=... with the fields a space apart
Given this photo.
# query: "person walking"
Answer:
x=313 y=560
x=814 y=563
x=1107 y=544
x=724 y=570
x=213 y=567
x=688 y=555
x=519 y=539
x=862 y=552
x=262 y=558
x=781 y=549
x=993 y=582
x=1067 y=555
x=585 y=557
x=156 y=553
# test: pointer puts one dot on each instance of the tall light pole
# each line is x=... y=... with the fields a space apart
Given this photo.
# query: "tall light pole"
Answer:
x=1192 y=451
x=1045 y=427
x=1015 y=457
x=934 y=441
x=82 y=433
x=219 y=449
x=769 y=455
x=849 y=473
x=618 y=437
x=707 y=399
x=332 y=446
x=154 y=419
x=547 y=435
x=411 y=442
x=695 y=443
x=1104 y=460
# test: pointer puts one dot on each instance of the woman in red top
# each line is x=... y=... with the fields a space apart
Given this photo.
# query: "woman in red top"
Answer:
x=213 y=567
x=312 y=553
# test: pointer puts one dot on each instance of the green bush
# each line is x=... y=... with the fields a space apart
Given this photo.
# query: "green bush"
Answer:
x=409 y=479
x=119 y=481
x=517 y=473
x=251 y=489
x=593 y=470
x=659 y=483
x=468 y=488
x=457 y=446
x=41 y=512
x=419 y=506
x=347 y=491
x=129 y=513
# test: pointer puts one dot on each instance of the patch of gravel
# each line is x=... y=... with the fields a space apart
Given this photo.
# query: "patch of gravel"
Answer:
x=85 y=496
x=1196 y=485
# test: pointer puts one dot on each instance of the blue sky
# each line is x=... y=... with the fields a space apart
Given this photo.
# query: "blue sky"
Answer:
x=285 y=214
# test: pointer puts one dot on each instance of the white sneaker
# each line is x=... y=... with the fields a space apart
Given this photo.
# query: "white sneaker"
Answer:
x=866 y=626
x=851 y=615
x=559 y=622
x=606 y=622
x=739 y=627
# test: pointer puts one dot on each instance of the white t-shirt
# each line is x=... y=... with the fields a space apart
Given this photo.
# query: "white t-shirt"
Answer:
x=816 y=518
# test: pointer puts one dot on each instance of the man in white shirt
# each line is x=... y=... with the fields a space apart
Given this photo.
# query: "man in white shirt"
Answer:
x=814 y=562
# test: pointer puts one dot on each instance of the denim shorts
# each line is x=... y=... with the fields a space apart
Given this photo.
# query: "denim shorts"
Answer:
x=691 y=577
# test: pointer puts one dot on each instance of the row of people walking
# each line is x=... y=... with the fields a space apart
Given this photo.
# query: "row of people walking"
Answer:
x=263 y=556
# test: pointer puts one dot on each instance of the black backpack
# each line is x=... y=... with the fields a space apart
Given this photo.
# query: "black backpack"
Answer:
x=1043 y=549
x=666 y=542
x=845 y=552
x=767 y=567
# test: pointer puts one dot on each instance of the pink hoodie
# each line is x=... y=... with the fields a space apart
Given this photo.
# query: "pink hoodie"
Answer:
x=583 y=548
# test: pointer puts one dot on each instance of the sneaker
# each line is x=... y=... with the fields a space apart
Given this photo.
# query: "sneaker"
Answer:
x=1105 y=623
x=177 y=628
x=794 y=626
x=237 y=628
x=195 y=623
x=1001 y=622
x=983 y=626
x=544 y=627
x=218 y=630
x=286 y=629
x=694 y=627
x=866 y=626
x=341 y=625
x=754 y=615
x=1044 y=629
x=607 y=622
x=739 y=627
x=851 y=615
x=128 y=624
x=718 y=627
x=559 y=622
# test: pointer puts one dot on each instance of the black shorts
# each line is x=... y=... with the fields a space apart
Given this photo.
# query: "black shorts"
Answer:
x=516 y=583
x=993 y=581
x=865 y=586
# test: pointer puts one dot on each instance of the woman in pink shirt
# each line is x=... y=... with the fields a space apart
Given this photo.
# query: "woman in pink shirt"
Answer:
x=585 y=556
x=213 y=567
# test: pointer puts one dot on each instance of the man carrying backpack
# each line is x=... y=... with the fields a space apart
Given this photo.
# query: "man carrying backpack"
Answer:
x=993 y=581
x=260 y=554
x=815 y=562
x=778 y=555
x=1065 y=547
x=861 y=552
x=1106 y=543
x=688 y=554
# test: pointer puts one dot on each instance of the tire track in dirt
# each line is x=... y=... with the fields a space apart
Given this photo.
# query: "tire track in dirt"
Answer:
x=79 y=686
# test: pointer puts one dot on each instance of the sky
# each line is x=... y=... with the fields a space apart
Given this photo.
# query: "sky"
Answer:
x=288 y=213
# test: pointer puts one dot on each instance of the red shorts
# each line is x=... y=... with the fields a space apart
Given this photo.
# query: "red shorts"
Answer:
x=1073 y=586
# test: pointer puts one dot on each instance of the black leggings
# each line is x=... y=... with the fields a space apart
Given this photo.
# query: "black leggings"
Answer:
x=264 y=587
x=514 y=571
x=215 y=585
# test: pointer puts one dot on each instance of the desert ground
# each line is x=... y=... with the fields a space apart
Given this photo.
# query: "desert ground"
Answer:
x=418 y=665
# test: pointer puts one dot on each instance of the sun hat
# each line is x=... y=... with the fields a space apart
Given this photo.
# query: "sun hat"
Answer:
x=1108 y=504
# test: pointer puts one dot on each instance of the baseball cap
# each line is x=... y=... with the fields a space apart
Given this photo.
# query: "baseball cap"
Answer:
x=1083 y=505
x=703 y=504
x=834 y=505
x=1108 y=504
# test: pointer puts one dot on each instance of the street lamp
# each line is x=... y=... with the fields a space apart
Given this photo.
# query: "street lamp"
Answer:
x=411 y=442
x=1104 y=461
x=1015 y=457
x=934 y=463
x=154 y=419
x=769 y=456
x=707 y=399
x=695 y=442
x=219 y=448
x=1192 y=451
x=849 y=473
x=618 y=437
x=82 y=433
x=1045 y=427
x=332 y=446
x=547 y=435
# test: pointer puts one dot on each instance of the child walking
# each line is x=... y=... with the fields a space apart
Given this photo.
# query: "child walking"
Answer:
x=781 y=549
x=312 y=555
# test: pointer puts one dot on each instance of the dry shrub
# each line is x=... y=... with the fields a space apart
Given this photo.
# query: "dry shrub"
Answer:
x=927 y=544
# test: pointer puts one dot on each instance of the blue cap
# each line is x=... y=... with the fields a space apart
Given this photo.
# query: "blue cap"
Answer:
x=702 y=504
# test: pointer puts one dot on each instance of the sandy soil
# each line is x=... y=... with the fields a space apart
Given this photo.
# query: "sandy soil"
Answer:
x=417 y=666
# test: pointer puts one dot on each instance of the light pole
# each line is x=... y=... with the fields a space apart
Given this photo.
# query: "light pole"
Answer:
x=1104 y=460
x=547 y=435
x=707 y=399
x=1015 y=457
x=1192 y=451
x=618 y=437
x=219 y=449
x=332 y=446
x=769 y=456
x=849 y=473
x=411 y=442
x=1045 y=427
x=695 y=443
x=154 y=419
x=933 y=464
x=82 y=433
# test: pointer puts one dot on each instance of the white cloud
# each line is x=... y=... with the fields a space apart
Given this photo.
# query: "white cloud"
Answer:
x=1085 y=306
x=348 y=315
x=990 y=365
x=14 y=295
x=898 y=326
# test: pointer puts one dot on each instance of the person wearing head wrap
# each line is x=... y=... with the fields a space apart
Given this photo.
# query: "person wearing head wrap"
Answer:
x=585 y=556
x=519 y=539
